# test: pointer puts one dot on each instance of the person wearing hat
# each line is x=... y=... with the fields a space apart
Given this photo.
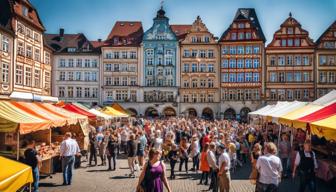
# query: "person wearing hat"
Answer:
x=224 y=178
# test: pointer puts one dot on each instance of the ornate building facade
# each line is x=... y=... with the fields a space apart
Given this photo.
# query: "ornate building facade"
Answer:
x=325 y=62
x=6 y=62
x=75 y=75
x=31 y=60
x=160 y=69
x=120 y=64
x=290 y=64
x=242 y=61
x=199 y=86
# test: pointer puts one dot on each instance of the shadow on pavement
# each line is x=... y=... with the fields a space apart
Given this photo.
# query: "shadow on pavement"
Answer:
x=120 y=177
x=49 y=185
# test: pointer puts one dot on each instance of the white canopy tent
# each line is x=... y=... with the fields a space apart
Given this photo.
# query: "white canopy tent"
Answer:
x=275 y=114
x=100 y=114
x=261 y=110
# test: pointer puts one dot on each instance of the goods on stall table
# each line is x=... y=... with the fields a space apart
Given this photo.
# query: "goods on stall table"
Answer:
x=48 y=151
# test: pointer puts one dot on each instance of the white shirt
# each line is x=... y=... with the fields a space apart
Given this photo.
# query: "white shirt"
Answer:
x=157 y=143
x=224 y=157
x=307 y=154
x=270 y=168
x=211 y=159
x=69 y=147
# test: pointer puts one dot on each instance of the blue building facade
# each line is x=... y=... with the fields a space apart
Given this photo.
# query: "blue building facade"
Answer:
x=160 y=49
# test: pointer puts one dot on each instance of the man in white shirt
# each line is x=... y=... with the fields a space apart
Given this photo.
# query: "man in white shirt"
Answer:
x=269 y=167
x=224 y=170
x=69 y=148
x=213 y=166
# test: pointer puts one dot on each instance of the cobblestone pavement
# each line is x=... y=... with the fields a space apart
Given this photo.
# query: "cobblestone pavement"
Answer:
x=97 y=179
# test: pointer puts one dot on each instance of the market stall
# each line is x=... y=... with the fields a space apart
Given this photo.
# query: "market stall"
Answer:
x=14 y=175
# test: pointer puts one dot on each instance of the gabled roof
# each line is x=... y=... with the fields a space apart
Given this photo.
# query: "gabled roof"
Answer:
x=132 y=31
x=333 y=25
x=97 y=44
x=180 y=30
x=11 y=8
x=60 y=44
x=250 y=15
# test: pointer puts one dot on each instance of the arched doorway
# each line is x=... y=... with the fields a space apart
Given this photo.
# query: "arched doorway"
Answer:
x=230 y=114
x=244 y=114
x=133 y=112
x=169 y=112
x=207 y=113
x=192 y=112
x=151 y=112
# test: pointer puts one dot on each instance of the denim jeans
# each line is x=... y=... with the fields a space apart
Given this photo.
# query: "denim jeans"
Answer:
x=284 y=162
x=36 y=176
x=305 y=181
x=67 y=166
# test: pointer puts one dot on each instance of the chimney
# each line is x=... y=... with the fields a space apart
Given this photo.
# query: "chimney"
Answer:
x=99 y=40
x=61 y=32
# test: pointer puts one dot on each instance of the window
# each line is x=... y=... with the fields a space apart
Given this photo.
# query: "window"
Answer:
x=225 y=63
x=305 y=60
x=5 y=43
x=202 y=53
x=248 y=35
x=331 y=60
x=93 y=76
x=283 y=42
x=202 y=67
x=150 y=71
x=194 y=83
x=62 y=76
x=133 y=55
x=78 y=92
x=290 y=30
x=248 y=49
x=232 y=63
x=47 y=80
x=210 y=83
x=133 y=81
x=306 y=77
x=5 y=73
x=70 y=92
x=87 y=63
x=225 y=77
x=94 y=63
x=289 y=76
x=61 y=91
x=225 y=50
x=124 y=54
x=273 y=60
x=297 y=76
x=37 y=78
x=29 y=32
x=186 y=67
x=233 y=36
x=248 y=77
x=24 y=11
x=108 y=80
x=256 y=77
x=72 y=49
x=47 y=58
x=185 y=83
x=186 y=53
x=78 y=76
x=297 y=42
x=87 y=76
x=210 y=53
x=297 y=94
x=290 y=94
x=290 y=42
x=169 y=61
x=248 y=63
x=28 y=75
x=256 y=49
x=19 y=74
x=29 y=52
x=193 y=53
x=256 y=63
x=281 y=60
x=116 y=55
x=273 y=77
x=289 y=60
x=194 y=67
x=36 y=37
x=150 y=52
x=240 y=63
x=124 y=81
x=240 y=49
x=241 y=36
x=206 y=39
x=305 y=93
x=211 y=68
x=297 y=60
x=86 y=92
x=202 y=97
x=62 y=63
x=70 y=63
x=116 y=81
x=21 y=50
x=232 y=50
x=95 y=92
x=241 y=25
x=79 y=63
x=149 y=61
x=240 y=77
x=210 y=98
x=331 y=78
x=132 y=68
x=202 y=83
x=323 y=77
x=273 y=94
x=108 y=67
x=232 y=77
x=281 y=94
x=281 y=77
x=20 y=28
x=70 y=76
x=193 y=39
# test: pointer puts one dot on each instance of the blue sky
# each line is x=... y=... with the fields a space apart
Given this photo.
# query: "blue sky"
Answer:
x=95 y=18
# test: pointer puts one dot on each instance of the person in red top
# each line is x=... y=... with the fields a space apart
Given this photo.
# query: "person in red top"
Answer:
x=204 y=165
x=206 y=139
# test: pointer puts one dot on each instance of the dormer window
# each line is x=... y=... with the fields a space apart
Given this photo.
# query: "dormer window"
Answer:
x=290 y=30
x=241 y=25
x=206 y=39
x=116 y=40
x=71 y=49
x=24 y=11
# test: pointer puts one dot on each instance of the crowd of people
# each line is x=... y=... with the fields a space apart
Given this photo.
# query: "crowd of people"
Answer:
x=216 y=149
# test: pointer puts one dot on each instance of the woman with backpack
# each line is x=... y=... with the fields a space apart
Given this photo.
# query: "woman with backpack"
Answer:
x=153 y=176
